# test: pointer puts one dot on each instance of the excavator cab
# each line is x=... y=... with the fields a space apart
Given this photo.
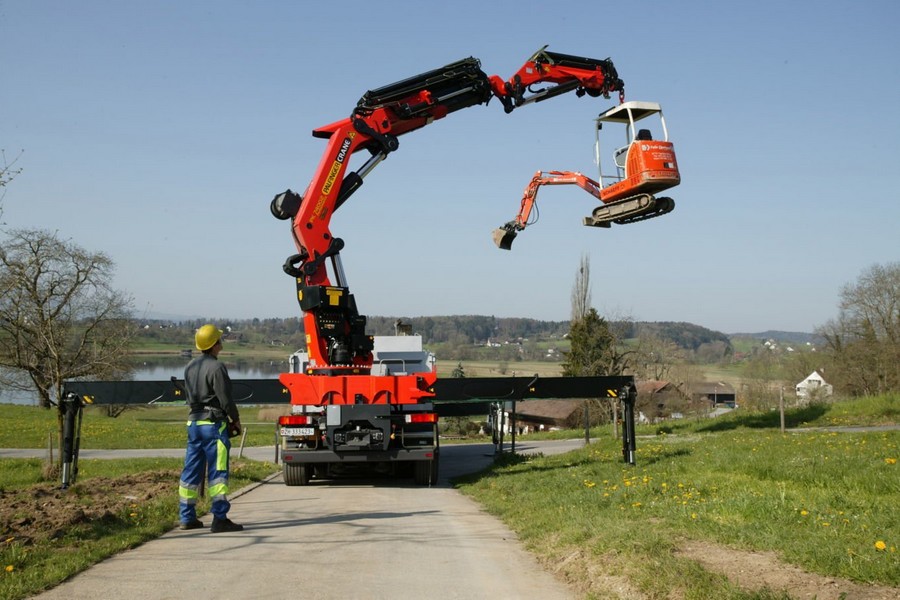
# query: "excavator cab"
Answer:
x=646 y=163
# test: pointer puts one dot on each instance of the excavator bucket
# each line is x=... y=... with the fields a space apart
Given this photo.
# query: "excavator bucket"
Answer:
x=504 y=238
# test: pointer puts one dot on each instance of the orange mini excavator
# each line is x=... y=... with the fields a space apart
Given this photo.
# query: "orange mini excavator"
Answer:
x=643 y=166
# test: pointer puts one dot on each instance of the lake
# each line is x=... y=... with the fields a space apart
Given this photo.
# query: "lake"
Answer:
x=159 y=369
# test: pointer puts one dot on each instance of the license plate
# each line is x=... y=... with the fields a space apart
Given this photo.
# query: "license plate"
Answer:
x=297 y=431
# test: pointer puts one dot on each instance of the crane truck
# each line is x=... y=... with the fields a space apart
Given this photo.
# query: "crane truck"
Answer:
x=356 y=400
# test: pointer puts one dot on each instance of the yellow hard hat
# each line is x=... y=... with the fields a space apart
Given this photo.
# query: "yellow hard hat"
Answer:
x=207 y=336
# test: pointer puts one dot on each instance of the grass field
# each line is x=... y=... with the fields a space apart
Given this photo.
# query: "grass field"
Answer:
x=825 y=501
x=524 y=368
x=140 y=427
x=734 y=487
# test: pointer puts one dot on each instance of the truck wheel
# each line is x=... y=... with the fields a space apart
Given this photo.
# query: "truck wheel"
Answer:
x=425 y=472
x=295 y=474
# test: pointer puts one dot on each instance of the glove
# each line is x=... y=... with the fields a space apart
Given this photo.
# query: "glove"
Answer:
x=234 y=429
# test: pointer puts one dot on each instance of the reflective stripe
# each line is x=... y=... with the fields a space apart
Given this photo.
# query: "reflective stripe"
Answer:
x=188 y=493
x=221 y=456
x=218 y=491
x=189 y=423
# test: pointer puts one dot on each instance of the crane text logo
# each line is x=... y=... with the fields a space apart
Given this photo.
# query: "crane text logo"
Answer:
x=337 y=164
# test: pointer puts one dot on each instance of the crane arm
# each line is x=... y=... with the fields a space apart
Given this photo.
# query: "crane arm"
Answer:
x=335 y=330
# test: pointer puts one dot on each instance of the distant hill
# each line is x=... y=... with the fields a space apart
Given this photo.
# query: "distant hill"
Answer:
x=478 y=329
x=684 y=335
x=781 y=336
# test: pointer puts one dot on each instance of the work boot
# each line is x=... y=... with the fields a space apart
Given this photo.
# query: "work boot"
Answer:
x=224 y=525
x=195 y=524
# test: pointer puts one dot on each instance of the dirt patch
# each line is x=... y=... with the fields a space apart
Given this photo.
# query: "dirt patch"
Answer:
x=755 y=570
x=45 y=512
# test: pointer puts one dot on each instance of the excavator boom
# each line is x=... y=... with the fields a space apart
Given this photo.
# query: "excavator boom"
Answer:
x=504 y=236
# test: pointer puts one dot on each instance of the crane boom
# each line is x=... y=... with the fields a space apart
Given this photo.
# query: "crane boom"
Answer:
x=336 y=338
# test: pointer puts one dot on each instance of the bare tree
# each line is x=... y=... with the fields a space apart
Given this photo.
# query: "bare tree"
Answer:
x=594 y=343
x=60 y=318
x=655 y=357
x=581 y=290
x=864 y=340
x=7 y=174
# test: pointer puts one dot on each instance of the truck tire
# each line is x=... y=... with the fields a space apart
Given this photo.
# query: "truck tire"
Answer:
x=295 y=474
x=425 y=472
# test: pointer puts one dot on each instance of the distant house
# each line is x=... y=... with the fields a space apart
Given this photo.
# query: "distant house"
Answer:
x=539 y=415
x=814 y=386
x=717 y=393
x=657 y=400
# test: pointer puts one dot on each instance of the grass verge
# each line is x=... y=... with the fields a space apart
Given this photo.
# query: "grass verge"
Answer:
x=48 y=534
x=820 y=500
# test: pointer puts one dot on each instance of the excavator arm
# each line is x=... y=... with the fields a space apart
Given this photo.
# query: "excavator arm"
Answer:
x=336 y=338
x=503 y=236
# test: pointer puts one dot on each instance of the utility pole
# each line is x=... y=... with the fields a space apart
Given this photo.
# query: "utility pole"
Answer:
x=781 y=407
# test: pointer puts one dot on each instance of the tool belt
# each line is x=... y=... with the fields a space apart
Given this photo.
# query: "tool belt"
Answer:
x=207 y=413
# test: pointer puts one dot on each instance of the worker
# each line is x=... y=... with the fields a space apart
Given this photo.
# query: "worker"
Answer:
x=213 y=418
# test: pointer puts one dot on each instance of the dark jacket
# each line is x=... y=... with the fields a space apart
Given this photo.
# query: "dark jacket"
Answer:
x=209 y=386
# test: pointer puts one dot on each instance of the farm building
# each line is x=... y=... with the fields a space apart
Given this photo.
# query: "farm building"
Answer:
x=814 y=386
x=539 y=415
x=716 y=393
x=657 y=400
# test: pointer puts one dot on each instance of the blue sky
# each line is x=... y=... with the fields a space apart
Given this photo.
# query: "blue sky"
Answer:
x=158 y=132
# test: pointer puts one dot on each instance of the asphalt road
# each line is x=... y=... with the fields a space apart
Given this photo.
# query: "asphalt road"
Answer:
x=347 y=539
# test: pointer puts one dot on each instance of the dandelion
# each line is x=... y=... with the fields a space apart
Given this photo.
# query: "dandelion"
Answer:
x=803 y=513
x=10 y=568
x=891 y=461
x=693 y=515
x=880 y=545
x=132 y=515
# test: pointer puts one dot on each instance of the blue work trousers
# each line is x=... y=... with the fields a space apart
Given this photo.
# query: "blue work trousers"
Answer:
x=207 y=449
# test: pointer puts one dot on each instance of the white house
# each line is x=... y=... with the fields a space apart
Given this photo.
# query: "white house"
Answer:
x=814 y=386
